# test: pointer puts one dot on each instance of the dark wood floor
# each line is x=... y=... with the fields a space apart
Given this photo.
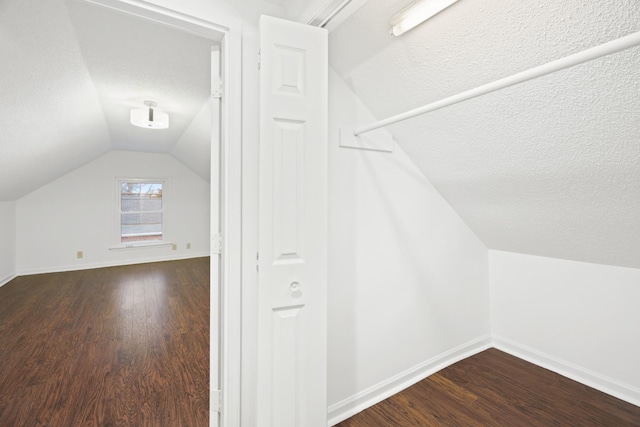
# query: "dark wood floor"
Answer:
x=493 y=388
x=121 y=346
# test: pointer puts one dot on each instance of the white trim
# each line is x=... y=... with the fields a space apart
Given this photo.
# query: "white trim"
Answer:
x=231 y=224
x=166 y=17
x=249 y=214
x=7 y=279
x=141 y=245
x=340 y=411
x=93 y=265
x=607 y=385
x=349 y=407
x=381 y=141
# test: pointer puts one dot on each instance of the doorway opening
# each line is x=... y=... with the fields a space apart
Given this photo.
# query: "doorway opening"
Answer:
x=224 y=115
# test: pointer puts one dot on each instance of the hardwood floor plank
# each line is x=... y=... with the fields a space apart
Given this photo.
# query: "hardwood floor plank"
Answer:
x=120 y=346
x=493 y=388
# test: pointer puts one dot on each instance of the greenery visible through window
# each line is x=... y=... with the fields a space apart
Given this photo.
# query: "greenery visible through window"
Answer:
x=141 y=211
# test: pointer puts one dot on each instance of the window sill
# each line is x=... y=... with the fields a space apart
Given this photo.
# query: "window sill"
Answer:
x=139 y=245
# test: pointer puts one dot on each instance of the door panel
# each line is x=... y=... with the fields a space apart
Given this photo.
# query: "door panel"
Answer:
x=292 y=225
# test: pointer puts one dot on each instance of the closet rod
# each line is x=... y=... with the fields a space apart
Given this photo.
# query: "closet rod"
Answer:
x=608 y=48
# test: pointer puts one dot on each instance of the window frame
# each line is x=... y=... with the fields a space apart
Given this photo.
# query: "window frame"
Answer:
x=117 y=222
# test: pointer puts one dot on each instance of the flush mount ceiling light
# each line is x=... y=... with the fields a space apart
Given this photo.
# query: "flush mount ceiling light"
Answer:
x=416 y=14
x=149 y=117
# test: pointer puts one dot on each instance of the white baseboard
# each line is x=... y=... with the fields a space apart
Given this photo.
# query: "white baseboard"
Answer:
x=7 y=279
x=89 y=266
x=340 y=411
x=592 y=379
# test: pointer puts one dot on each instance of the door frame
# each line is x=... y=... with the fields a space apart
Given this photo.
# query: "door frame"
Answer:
x=227 y=31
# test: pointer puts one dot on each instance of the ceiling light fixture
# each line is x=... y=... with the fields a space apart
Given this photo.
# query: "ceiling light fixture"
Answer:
x=416 y=14
x=149 y=118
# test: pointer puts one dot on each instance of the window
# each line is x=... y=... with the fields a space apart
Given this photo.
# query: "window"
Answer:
x=142 y=210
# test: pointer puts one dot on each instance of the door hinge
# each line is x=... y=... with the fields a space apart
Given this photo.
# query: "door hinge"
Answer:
x=216 y=244
x=216 y=92
x=258 y=262
x=259 y=59
x=216 y=400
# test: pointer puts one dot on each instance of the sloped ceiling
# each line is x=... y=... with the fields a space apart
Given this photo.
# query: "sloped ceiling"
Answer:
x=71 y=72
x=550 y=167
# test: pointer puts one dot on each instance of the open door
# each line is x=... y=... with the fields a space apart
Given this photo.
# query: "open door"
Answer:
x=292 y=266
x=215 y=343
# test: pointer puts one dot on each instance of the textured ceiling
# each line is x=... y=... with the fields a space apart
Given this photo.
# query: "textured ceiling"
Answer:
x=550 y=167
x=50 y=118
x=131 y=60
x=71 y=71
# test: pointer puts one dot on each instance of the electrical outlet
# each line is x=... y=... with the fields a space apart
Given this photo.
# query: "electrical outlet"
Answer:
x=174 y=247
x=79 y=254
x=188 y=245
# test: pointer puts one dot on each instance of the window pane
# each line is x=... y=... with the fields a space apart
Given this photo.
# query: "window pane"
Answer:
x=140 y=196
x=141 y=227
x=141 y=209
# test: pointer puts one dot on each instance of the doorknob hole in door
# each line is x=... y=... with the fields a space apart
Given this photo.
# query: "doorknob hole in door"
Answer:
x=296 y=289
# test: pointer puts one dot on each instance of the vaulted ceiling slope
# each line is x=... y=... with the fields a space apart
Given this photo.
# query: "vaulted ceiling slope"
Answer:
x=550 y=167
x=71 y=71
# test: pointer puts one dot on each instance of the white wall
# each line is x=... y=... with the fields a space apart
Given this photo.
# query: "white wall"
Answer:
x=7 y=241
x=408 y=280
x=76 y=212
x=579 y=319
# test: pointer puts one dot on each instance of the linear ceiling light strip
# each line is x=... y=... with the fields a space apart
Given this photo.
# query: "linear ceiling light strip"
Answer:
x=608 y=48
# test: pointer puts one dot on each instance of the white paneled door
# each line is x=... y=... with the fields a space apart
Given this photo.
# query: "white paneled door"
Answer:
x=292 y=259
